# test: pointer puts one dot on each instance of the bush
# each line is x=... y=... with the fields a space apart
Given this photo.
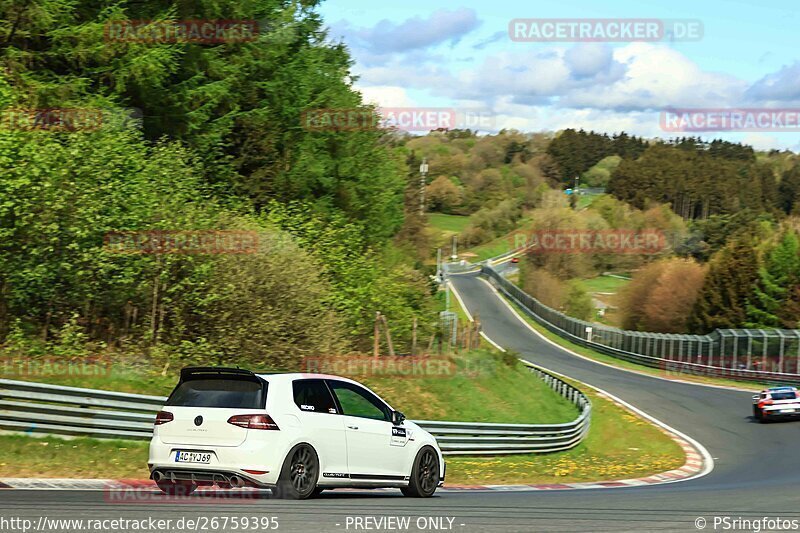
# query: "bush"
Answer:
x=543 y=286
x=578 y=303
x=264 y=309
x=661 y=296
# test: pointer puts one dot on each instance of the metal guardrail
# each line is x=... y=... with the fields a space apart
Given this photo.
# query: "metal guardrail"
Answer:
x=465 y=267
x=502 y=257
x=459 y=268
x=467 y=438
x=676 y=354
x=35 y=407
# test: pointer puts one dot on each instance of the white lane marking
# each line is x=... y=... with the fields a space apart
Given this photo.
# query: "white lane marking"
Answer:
x=490 y=341
x=460 y=301
x=707 y=459
x=525 y=322
x=469 y=316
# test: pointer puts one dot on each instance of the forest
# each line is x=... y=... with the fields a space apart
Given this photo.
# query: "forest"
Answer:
x=194 y=136
x=197 y=136
x=729 y=214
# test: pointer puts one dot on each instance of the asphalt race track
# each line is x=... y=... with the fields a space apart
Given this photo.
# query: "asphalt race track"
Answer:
x=756 y=474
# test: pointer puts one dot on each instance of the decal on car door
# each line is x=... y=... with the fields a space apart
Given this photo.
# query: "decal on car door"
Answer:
x=400 y=436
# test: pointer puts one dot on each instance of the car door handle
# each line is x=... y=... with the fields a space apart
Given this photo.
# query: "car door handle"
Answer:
x=352 y=427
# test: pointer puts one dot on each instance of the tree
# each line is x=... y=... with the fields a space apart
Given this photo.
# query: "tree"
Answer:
x=778 y=275
x=264 y=309
x=673 y=296
x=238 y=105
x=62 y=193
x=789 y=191
x=443 y=195
x=636 y=295
x=727 y=289
x=694 y=182
x=578 y=303
x=543 y=286
x=364 y=279
x=575 y=152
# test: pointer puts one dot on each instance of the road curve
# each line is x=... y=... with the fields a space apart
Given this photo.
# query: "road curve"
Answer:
x=756 y=472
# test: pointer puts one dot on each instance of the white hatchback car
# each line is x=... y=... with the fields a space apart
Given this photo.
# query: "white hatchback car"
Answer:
x=297 y=434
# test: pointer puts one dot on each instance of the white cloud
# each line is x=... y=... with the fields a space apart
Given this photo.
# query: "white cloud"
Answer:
x=386 y=96
x=588 y=85
x=656 y=77
x=589 y=59
x=782 y=86
x=389 y=37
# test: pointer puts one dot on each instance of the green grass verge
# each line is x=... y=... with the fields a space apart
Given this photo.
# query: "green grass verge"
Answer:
x=585 y=200
x=492 y=248
x=448 y=223
x=41 y=457
x=117 y=376
x=602 y=284
x=620 y=445
x=484 y=388
x=620 y=363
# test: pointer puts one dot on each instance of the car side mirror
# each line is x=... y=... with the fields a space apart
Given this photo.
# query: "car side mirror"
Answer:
x=397 y=418
x=755 y=396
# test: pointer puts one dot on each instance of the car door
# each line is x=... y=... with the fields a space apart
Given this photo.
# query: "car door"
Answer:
x=376 y=450
x=323 y=425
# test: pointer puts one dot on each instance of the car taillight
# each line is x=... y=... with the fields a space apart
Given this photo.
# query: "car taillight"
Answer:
x=254 y=422
x=163 y=417
x=762 y=403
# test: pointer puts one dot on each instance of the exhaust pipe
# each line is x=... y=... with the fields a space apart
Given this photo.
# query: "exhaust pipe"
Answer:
x=237 y=482
x=158 y=476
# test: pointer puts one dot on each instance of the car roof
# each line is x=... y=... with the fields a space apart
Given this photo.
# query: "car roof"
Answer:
x=292 y=376
x=781 y=389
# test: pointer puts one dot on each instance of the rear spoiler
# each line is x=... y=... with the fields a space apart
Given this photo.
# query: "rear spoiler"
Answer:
x=193 y=372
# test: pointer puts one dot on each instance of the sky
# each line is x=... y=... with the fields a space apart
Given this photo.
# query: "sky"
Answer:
x=459 y=54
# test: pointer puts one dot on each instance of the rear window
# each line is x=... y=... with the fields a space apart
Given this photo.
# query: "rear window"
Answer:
x=220 y=392
x=788 y=395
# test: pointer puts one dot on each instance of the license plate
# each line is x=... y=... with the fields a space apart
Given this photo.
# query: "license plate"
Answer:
x=193 y=457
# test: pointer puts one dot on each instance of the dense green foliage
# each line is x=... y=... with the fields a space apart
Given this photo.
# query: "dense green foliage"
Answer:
x=696 y=183
x=575 y=152
x=219 y=145
x=723 y=299
x=774 y=300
